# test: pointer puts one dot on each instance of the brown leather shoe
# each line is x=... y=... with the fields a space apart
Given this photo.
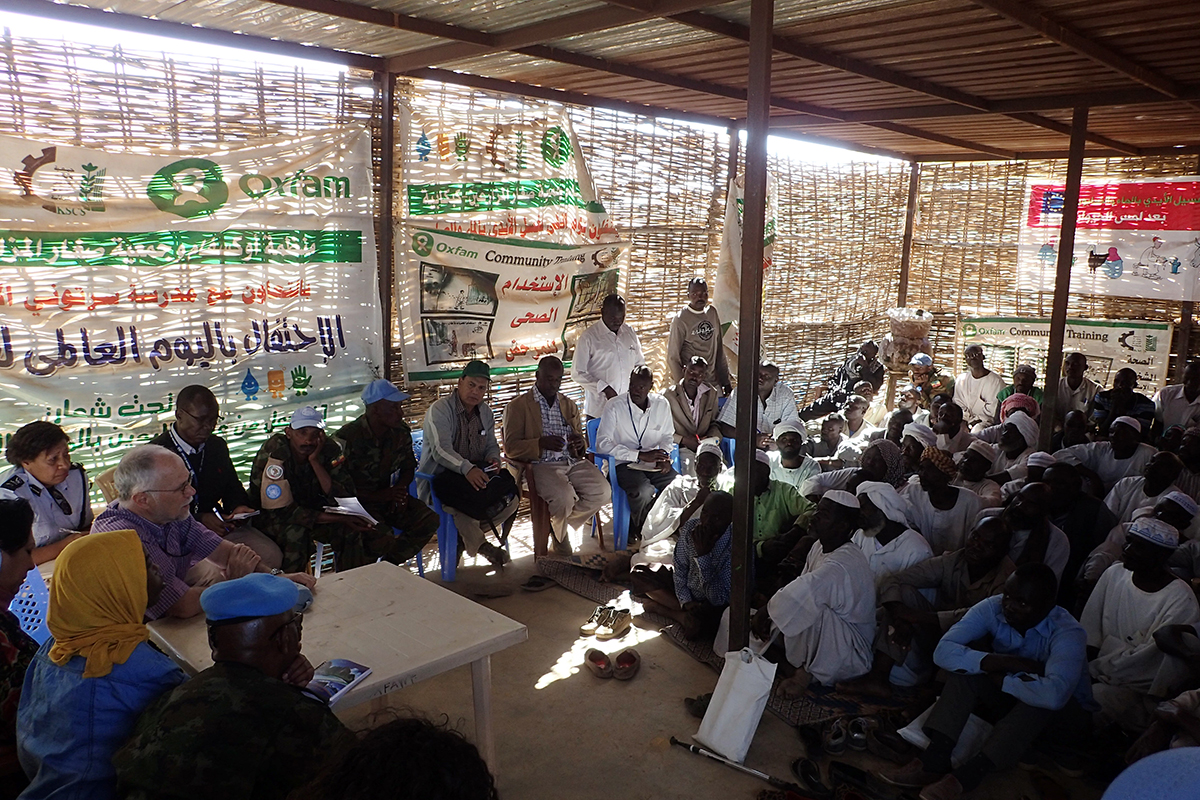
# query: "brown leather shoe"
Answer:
x=948 y=788
x=626 y=664
x=598 y=662
x=912 y=775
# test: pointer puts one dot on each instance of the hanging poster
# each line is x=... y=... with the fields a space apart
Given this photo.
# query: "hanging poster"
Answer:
x=124 y=278
x=1132 y=239
x=727 y=291
x=1109 y=344
x=505 y=252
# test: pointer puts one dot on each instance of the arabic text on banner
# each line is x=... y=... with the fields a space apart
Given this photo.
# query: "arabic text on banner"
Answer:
x=1109 y=344
x=1132 y=239
x=505 y=246
x=124 y=278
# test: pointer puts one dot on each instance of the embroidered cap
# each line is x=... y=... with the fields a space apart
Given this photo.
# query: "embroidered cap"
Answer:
x=842 y=498
x=1130 y=421
x=1155 y=530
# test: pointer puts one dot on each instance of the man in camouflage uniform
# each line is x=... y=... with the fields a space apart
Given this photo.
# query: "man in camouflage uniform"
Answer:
x=241 y=728
x=299 y=472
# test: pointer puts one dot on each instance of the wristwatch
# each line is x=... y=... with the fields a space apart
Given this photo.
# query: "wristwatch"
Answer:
x=276 y=571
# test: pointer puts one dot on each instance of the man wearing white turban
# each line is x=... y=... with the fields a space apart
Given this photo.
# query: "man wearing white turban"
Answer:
x=1124 y=454
x=884 y=536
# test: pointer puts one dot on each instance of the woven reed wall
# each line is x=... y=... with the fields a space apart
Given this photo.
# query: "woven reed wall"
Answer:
x=965 y=246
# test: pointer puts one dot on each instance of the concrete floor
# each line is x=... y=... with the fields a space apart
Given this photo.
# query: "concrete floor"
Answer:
x=563 y=733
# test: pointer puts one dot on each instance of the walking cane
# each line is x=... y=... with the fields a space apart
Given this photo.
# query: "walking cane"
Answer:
x=776 y=782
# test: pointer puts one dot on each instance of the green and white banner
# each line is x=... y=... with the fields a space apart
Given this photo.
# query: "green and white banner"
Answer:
x=505 y=252
x=125 y=277
x=727 y=290
x=1109 y=344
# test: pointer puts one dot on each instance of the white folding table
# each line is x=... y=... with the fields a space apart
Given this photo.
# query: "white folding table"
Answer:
x=405 y=628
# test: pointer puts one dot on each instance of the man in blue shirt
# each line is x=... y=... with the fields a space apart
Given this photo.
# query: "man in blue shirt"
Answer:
x=1034 y=675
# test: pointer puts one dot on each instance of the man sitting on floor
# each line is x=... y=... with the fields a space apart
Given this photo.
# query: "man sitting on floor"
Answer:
x=1018 y=440
x=299 y=472
x=941 y=512
x=973 y=467
x=1105 y=463
x=1132 y=600
x=780 y=514
x=1174 y=508
x=1024 y=378
x=695 y=592
x=1082 y=517
x=679 y=502
x=824 y=447
x=884 y=536
x=864 y=365
x=976 y=389
x=693 y=410
x=1140 y=491
x=1030 y=677
x=1122 y=401
x=827 y=614
x=859 y=433
x=911 y=624
x=220 y=495
x=951 y=428
x=378 y=451
x=241 y=728
x=636 y=429
x=154 y=492
x=542 y=426
x=776 y=403
x=789 y=464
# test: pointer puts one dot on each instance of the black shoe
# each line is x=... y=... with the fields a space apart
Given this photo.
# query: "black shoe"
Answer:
x=495 y=555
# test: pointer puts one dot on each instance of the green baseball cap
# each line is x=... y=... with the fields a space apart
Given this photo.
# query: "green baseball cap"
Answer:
x=477 y=369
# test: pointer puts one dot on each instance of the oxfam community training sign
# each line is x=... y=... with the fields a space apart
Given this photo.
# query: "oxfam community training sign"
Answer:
x=128 y=277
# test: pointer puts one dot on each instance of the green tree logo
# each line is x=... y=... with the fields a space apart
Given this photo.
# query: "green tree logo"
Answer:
x=189 y=188
x=556 y=146
x=422 y=243
x=969 y=329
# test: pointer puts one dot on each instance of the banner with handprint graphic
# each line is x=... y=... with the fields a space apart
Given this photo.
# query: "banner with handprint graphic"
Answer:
x=124 y=278
x=1132 y=238
x=505 y=252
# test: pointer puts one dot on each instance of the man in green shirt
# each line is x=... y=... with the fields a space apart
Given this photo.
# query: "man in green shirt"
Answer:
x=780 y=517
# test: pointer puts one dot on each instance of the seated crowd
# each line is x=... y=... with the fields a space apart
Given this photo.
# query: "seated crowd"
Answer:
x=1055 y=587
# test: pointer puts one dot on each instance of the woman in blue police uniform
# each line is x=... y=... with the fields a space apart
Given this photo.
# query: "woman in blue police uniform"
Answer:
x=57 y=490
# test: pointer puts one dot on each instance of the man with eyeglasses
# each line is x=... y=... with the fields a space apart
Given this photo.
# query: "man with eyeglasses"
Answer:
x=242 y=727
x=154 y=496
x=220 y=497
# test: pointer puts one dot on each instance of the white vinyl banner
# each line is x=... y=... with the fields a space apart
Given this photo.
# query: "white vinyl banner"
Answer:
x=505 y=253
x=1109 y=344
x=727 y=291
x=1132 y=239
x=124 y=278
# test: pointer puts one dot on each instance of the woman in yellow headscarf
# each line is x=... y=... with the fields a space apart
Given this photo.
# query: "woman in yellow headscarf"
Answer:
x=90 y=682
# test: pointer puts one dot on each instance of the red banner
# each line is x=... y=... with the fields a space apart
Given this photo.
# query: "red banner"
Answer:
x=1151 y=206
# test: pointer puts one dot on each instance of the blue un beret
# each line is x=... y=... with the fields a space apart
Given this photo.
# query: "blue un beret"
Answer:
x=255 y=595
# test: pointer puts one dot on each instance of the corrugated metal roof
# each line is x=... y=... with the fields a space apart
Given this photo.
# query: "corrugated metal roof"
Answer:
x=927 y=71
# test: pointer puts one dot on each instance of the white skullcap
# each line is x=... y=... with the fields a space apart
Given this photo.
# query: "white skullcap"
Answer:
x=759 y=455
x=709 y=446
x=1026 y=424
x=1183 y=501
x=982 y=448
x=922 y=433
x=842 y=498
x=789 y=426
x=886 y=499
x=1130 y=421
x=1043 y=460
x=1155 y=530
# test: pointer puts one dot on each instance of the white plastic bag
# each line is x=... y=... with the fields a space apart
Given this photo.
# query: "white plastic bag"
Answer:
x=737 y=704
x=969 y=743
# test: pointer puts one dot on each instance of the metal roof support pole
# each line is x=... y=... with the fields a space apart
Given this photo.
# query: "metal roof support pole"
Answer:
x=758 y=112
x=1062 y=277
x=387 y=216
x=1185 y=338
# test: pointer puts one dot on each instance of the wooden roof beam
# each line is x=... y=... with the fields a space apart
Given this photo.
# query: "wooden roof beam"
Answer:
x=46 y=9
x=588 y=21
x=820 y=55
x=1072 y=39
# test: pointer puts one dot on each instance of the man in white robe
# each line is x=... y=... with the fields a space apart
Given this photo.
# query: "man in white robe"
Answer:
x=1133 y=600
x=941 y=512
x=679 y=502
x=1157 y=479
x=884 y=536
x=827 y=614
x=1124 y=454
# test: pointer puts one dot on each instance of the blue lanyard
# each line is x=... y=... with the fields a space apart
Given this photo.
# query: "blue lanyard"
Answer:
x=629 y=405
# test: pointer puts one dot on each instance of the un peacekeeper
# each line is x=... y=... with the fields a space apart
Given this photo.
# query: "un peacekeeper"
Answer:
x=241 y=728
x=296 y=474
x=378 y=450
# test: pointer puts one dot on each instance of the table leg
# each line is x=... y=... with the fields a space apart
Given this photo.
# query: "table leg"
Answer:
x=481 y=686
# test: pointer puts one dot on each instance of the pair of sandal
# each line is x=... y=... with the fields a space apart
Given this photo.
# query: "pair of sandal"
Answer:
x=856 y=734
x=623 y=667
x=607 y=622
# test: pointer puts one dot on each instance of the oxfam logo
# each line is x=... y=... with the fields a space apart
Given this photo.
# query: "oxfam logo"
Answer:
x=189 y=188
x=422 y=243
x=969 y=329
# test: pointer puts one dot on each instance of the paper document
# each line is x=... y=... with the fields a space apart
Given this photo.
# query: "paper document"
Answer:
x=351 y=508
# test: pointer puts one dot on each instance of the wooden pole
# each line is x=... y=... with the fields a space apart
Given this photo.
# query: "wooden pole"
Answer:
x=735 y=143
x=758 y=111
x=1062 y=277
x=910 y=215
x=1185 y=338
x=387 y=249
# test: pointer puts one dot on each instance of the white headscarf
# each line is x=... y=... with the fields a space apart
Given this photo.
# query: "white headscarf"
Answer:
x=885 y=497
x=1026 y=424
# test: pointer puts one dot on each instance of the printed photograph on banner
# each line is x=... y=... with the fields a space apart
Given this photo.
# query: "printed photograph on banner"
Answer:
x=1132 y=239
x=588 y=292
x=450 y=339
x=571 y=333
x=457 y=290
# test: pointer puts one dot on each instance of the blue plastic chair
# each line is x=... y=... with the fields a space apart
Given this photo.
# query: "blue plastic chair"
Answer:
x=447 y=534
x=728 y=447
x=30 y=605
